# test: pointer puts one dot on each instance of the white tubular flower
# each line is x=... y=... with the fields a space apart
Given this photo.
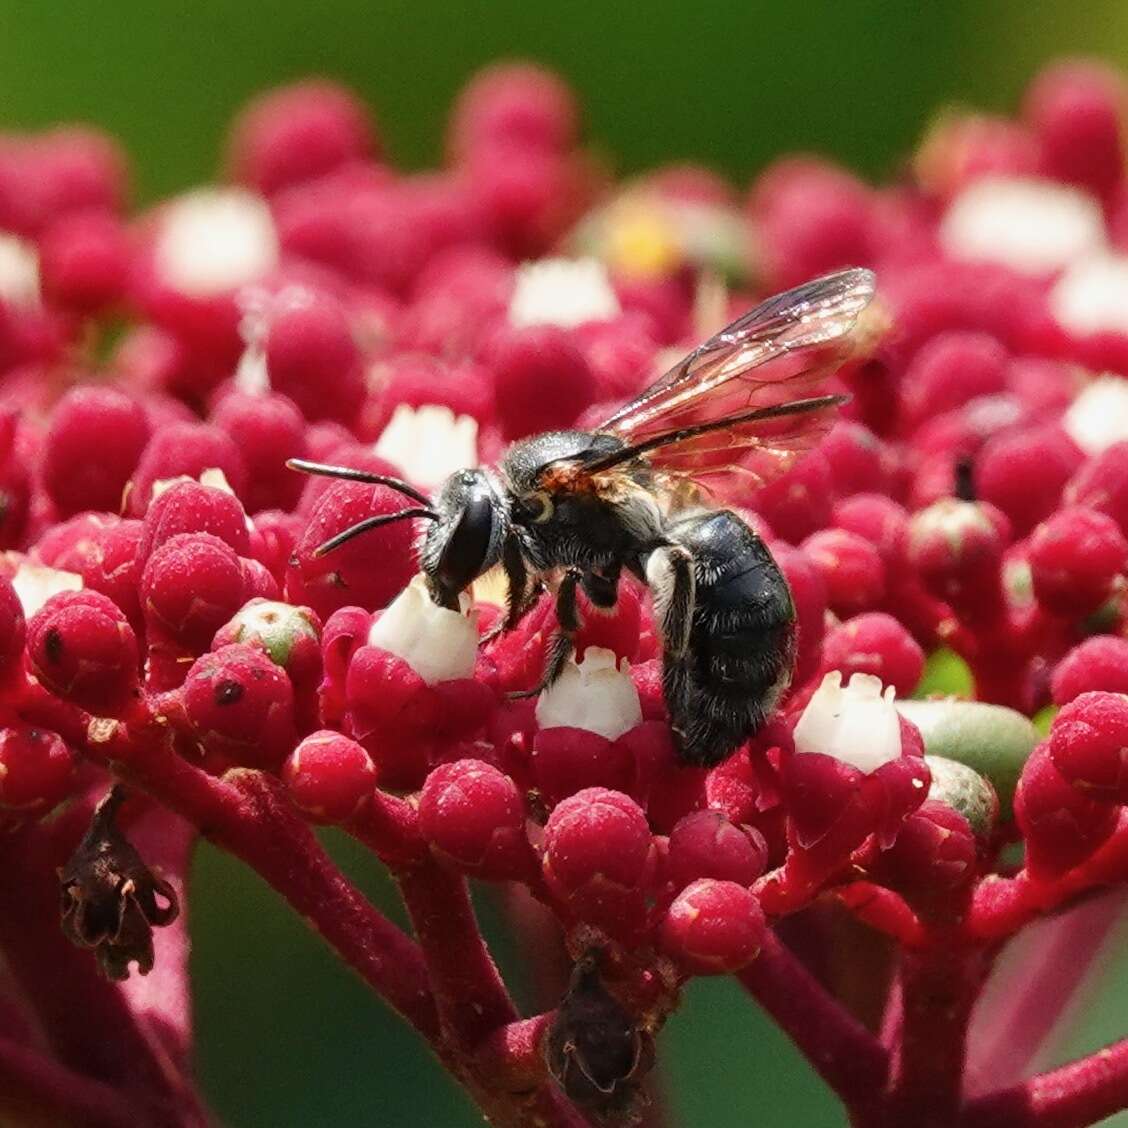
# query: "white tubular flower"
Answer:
x=564 y=292
x=1032 y=226
x=857 y=724
x=1092 y=295
x=437 y=643
x=215 y=240
x=36 y=583
x=19 y=271
x=594 y=695
x=429 y=443
x=1098 y=417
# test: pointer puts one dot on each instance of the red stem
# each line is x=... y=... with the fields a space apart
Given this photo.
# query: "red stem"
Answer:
x=1077 y=1094
x=28 y=1078
x=841 y=1050
x=937 y=988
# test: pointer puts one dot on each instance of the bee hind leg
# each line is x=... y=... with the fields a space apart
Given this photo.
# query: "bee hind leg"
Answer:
x=670 y=577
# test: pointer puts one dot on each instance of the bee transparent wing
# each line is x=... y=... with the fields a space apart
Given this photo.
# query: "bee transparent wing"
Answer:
x=776 y=352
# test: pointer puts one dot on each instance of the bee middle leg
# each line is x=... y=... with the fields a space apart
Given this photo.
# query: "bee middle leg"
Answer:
x=602 y=590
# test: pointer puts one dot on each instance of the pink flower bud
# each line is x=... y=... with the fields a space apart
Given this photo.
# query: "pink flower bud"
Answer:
x=344 y=633
x=599 y=859
x=878 y=519
x=935 y=855
x=957 y=549
x=799 y=502
x=474 y=817
x=513 y=104
x=297 y=133
x=949 y=370
x=191 y=585
x=258 y=583
x=1024 y=474
x=1077 y=560
x=272 y=539
x=312 y=358
x=809 y=594
x=416 y=380
x=859 y=461
x=713 y=928
x=240 y=705
x=738 y=789
x=368 y=570
x=851 y=568
x=960 y=148
x=82 y=648
x=567 y=760
x=1061 y=825
x=1086 y=742
x=268 y=429
x=542 y=381
x=81 y=469
x=1101 y=483
x=185 y=449
x=188 y=507
x=706 y=844
x=36 y=771
x=1076 y=110
x=84 y=261
x=875 y=644
x=329 y=776
x=1099 y=663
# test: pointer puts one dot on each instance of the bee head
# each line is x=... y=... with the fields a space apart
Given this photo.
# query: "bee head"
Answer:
x=466 y=539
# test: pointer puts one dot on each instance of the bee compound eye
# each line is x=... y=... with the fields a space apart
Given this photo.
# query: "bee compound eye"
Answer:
x=539 y=505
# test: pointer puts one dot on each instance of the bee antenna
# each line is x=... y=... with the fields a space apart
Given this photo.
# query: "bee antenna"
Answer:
x=370 y=523
x=349 y=474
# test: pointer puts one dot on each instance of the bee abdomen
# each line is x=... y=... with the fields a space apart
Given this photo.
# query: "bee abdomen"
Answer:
x=741 y=643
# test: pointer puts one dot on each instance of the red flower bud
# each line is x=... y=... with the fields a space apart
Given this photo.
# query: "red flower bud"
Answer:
x=329 y=776
x=949 y=370
x=859 y=461
x=1077 y=560
x=1087 y=740
x=851 y=568
x=192 y=584
x=13 y=630
x=799 y=502
x=36 y=770
x=188 y=507
x=297 y=133
x=1101 y=483
x=875 y=644
x=368 y=570
x=240 y=706
x=566 y=760
x=599 y=858
x=1099 y=663
x=474 y=816
x=706 y=844
x=1061 y=825
x=809 y=594
x=713 y=928
x=84 y=262
x=81 y=469
x=186 y=449
x=542 y=381
x=268 y=429
x=82 y=648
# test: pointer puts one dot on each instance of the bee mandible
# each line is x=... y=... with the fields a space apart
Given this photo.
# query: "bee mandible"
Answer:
x=573 y=509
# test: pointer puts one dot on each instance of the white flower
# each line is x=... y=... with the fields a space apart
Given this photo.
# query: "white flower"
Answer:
x=437 y=643
x=215 y=240
x=857 y=724
x=1092 y=295
x=36 y=583
x=1098 y=417
x=1032 y=226
x=594 y=695
x=564 y=292
x=429 y=443
x=19 y=271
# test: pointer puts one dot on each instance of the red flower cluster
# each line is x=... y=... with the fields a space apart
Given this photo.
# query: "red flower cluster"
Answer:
x=168 y=623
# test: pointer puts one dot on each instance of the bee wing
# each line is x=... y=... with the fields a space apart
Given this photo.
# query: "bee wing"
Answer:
x=774 y=353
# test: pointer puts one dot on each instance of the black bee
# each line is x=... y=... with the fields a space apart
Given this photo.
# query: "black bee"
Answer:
x=574 y=508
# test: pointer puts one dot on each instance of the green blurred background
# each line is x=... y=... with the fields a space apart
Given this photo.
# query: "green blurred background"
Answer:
x=286 y=1036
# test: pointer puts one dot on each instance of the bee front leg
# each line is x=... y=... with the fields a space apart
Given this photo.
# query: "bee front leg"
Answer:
x=670 y=577
x=568 y=618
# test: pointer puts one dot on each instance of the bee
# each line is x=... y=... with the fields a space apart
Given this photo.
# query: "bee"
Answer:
x=573 y=509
